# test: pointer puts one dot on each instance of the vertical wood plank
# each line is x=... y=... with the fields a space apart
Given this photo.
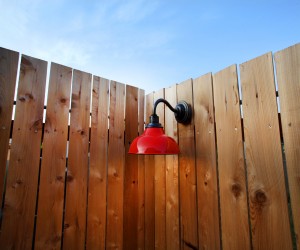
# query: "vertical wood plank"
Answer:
x=96 y=221
x=266 y=185
x=187 y=172
x=77 y=175
x=232 y=177
x=8 y=73
x=116 y=156
x=52 y=176
x=22 y=179
x=141 y=176
x=288 y=78
x=172 y=177
x=149 y=187
x=207 y=186
x=160 y=184
x=130 y=228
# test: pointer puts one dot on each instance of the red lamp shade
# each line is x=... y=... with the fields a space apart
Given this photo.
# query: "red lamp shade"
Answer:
x=154 y=141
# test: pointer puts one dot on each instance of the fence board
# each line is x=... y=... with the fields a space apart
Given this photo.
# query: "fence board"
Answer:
x=207 y=186
x=8 y=73
x=187 y=173
x=77 y=175
x=141 y=177
x=266 y=187
x=96 y=221
x=130 y=228
x=144 y=202
x=232 y=182
x=149 y=187
x=52 y=176
x=160 y=184
x=172 y=181
x=116 y=156
x=22 y=178
x=288 y=78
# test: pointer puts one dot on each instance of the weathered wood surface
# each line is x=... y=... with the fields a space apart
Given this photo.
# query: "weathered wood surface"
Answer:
x=113 y=200
x=288 y=79
x=96 y=218
x=172 y=177
x=160 y=183
x=207 y=186
x=116 y=162
x=266 y=184
x=8 y=73
x=130 y=228
x=141 y=176
x=149 y=187
x=187 y=174
x=52 y=176
x=232 y=177
x=77 y=172
x=22 y=178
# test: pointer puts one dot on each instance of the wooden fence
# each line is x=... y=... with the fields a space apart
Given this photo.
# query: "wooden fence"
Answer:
x=68 y=182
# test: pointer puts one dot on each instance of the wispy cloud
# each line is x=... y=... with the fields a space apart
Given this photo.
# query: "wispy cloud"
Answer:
x=135 y=10
x=144 y=41
x=65 y=52
x=107 y=38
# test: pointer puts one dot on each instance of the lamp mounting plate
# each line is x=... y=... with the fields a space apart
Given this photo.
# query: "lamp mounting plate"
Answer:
x=183 y=112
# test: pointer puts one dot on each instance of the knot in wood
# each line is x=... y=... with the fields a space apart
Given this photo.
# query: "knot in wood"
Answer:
x=26 y=62
x=37 y=125
x=260 y=197
x=81 y=132
x=17 y=183
x=22 y=99
x=29 y=96
x=236 y=189
x=70 y=178
x=63 y=100
x=59 y=178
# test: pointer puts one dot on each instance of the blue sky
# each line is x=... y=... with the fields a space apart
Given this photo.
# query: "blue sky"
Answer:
x=148 y=43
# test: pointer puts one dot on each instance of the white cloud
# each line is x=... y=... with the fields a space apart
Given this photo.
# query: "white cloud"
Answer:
x=64 y=52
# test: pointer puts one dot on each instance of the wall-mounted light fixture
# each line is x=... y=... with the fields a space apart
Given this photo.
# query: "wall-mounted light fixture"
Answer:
x=154 y=141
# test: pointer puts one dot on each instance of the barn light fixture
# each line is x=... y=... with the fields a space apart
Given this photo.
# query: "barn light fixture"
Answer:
x=154 y=141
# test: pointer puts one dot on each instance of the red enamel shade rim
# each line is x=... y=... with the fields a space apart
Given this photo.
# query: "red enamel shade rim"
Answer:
x=154 y=142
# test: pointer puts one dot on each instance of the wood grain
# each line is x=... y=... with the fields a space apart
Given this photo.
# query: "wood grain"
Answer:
x=52 y=176
x=77 y=175
x=116 y=162
x=96 y=220
x=160 y=184
x=288 y=79
x=9 y=61
x=22 y=177
x=172 y=177
x=187 y=172
x=233 y=192
x=141 y=176
x=130 y=229
x=267 y=194
x=207 y=183
x=149 y=187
